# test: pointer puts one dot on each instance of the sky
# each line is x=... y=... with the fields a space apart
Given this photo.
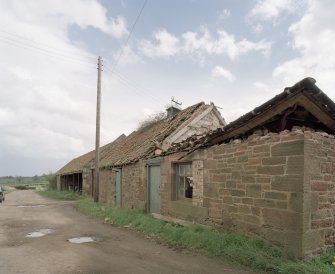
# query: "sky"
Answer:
x=237 y=54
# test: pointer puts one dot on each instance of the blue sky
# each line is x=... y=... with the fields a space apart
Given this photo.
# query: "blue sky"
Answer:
x=236 y=54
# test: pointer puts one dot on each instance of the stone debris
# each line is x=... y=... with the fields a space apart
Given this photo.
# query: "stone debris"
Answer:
x=199 y=141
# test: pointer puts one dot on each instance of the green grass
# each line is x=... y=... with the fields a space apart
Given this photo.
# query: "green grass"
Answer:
x=231 y=247
x=61 y=195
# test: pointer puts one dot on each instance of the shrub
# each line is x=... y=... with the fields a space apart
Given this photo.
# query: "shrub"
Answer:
x=52 y=180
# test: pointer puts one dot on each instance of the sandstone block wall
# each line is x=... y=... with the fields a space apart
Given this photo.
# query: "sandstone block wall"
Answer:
x=319 y=192
x=107 y=186
x=134 y=185
x=87 y=182
x=193 y=209
x=255 y=187
x=278 y=187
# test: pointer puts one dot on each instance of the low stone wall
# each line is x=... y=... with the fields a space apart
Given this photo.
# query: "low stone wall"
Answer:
x=134 y=185
x=319 y=192
x=87 y=182
x=107 y=186
x=279 y=187
x=255 y=187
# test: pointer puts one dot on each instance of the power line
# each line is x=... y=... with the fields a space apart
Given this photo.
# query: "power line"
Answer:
x=123 y=79
x=129 y=35
x=135 y=87
x=43 y=51
x=136 y=84
x=17 y=42
x=48 y=46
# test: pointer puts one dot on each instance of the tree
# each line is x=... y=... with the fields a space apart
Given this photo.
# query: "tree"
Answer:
x=52 y=179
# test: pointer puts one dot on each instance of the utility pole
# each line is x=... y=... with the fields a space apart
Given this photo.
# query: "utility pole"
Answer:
x=97 y=136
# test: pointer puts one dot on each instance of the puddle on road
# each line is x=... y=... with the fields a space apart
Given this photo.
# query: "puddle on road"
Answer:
x=40 y=233
x=81 y=240
x=30 y=206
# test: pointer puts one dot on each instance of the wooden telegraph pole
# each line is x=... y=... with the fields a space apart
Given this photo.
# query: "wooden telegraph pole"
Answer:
x=97 y=136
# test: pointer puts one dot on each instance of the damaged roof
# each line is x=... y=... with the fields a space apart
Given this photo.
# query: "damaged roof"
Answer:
x=303 y=104
x=78 y=164
x=144 y=141
x=137 y=145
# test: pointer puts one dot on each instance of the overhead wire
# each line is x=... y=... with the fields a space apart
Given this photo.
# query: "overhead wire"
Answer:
x=53 y=48
x=129 y=35
x=54 y=52
x=135 y=88
x=43 y=51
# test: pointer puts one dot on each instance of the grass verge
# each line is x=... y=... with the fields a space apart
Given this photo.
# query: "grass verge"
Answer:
x=9 y=189
x=231 y=247
x=61 y=195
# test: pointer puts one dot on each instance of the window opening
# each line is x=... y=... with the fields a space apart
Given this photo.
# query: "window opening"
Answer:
x=184 y=181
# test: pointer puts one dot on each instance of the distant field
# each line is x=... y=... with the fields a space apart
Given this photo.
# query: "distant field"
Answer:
x=15 y=180
x=24 y=182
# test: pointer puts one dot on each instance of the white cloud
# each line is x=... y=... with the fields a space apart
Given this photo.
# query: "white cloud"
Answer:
x=313 y=36
x=260 y=85
x=166 y=45
x=225 y=13
x=87 y=13
x=219 y=71
x=200 y=43
x=55 y=14
x=266 y=10
x=47 y=82
x=127 y=56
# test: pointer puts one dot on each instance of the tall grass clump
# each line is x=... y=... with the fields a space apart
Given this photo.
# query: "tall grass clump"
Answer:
x=61 y=195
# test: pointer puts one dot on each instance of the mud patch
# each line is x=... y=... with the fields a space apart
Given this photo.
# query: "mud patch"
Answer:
x=81 y=240
x=40 y=233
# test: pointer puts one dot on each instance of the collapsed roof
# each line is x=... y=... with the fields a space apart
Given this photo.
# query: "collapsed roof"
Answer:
x=303 y=104
x=139 y=144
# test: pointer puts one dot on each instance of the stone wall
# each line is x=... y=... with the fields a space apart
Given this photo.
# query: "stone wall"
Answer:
x=134 y=185
x=258 y=187
x=189 y=209
x=255 y=187
x=198 y=182
x=107 y=186
x=279 y=187
x=319 y=192
x=87 y=182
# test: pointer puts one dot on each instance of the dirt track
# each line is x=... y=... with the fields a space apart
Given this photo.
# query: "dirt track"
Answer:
x=116 y=251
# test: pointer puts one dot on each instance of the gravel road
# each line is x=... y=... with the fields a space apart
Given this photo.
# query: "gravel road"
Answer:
x=116 y=250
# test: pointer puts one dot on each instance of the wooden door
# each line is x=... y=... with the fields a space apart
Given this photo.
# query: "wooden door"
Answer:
x=154 y=185
x=118 y=188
